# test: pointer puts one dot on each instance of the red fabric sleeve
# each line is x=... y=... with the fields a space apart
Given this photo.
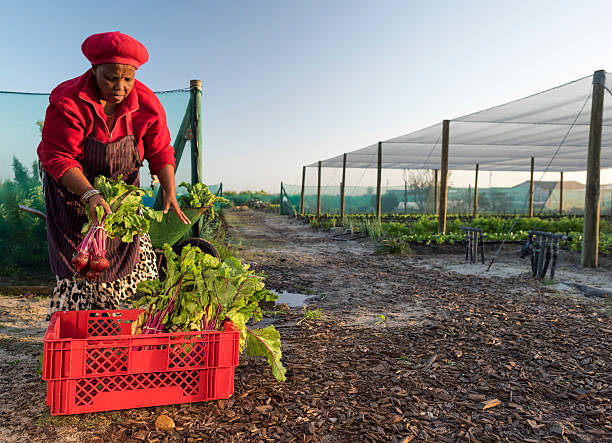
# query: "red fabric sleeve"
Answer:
x=156 y=139
x=62 y=141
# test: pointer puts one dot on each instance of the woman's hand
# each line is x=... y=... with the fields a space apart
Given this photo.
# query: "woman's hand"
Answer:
x=166 y=178
x=171 y=202
x=95 y=201
x=74 y=180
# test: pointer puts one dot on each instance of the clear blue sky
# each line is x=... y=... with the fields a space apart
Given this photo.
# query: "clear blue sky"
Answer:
x=288 y=83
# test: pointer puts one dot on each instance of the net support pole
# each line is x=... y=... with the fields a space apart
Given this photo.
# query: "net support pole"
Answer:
x=303 y=187
x=319 y=191
x=196 y=142
x=196 y=127
x=379 y=182
x=469 y=199
x=561 y=194
x=443 y=178
x=405 y=196
x=435 y=208
x=590 y=234
x=475 y=192
x=530 y=209
x=343 y=186
x=280 y=200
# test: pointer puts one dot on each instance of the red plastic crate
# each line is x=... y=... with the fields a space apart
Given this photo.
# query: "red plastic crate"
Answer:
x=92 y=363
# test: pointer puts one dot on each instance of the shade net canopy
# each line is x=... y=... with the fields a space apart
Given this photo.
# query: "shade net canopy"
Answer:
x=551 y=126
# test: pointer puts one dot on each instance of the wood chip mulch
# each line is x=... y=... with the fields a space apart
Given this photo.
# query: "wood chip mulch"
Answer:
x=527 y=375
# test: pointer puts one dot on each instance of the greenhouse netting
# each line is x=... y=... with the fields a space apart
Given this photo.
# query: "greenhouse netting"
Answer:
x=22 y=113
x=420 y=199
x=551 y=126
x=547 y=133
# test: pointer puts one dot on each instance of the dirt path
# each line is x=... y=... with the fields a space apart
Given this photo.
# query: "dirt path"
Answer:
x=455 y=358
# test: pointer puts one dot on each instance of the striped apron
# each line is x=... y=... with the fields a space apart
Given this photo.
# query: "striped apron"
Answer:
x=66 y=214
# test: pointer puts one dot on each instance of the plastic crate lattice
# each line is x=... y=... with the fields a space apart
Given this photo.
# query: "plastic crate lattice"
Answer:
x=88 y=388
x=185 y=355
x=102 y=360
x=103 y=326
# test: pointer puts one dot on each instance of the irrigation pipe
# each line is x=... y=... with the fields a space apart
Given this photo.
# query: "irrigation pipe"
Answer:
x=502 y=244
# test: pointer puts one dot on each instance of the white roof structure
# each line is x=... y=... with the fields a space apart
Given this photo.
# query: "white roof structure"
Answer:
x=552 y=126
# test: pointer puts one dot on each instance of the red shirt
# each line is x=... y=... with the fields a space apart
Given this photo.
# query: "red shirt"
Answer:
x=75 y=113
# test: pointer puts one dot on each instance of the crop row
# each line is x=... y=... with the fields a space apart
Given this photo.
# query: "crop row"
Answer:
x=397 y=236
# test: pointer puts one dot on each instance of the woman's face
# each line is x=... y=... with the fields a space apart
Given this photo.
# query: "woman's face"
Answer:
x=115 y=81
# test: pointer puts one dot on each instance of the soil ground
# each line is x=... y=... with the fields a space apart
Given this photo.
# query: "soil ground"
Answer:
x=416 y=347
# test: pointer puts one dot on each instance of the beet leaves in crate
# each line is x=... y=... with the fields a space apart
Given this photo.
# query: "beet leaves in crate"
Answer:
x=199 y=292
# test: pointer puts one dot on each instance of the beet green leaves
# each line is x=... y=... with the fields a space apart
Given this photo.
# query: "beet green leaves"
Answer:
x=200 y=292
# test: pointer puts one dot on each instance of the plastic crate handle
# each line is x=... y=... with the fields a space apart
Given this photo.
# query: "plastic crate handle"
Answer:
x=52 y=330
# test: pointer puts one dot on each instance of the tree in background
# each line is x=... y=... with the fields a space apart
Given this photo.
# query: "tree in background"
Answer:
x=420 y=187
x=389 y=202
x=495 y=201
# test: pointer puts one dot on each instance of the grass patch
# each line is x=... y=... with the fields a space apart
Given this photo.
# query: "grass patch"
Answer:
x=270 y=313
x=547 y=281
x=304 y=291
x=404 y=360
x=314 y=314
x=84 y=422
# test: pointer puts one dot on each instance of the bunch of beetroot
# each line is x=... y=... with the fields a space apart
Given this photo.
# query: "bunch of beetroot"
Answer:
x=90 y=259
x=127 y=219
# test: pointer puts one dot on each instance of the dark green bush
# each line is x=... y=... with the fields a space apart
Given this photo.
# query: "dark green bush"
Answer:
x=23 y=237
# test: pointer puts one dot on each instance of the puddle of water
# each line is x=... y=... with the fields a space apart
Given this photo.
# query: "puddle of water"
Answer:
x=292 y=299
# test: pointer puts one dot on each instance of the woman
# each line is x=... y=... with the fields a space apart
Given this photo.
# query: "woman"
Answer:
x=102 y=123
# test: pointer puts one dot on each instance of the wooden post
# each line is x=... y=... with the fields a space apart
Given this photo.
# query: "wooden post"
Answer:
x=475 y=193
x=590 y=234
x=303 y=187
x=319 y=192
x=342 y=186
x=530 y=209
x=196 y=142
x=196 y=128
x=379 y=182
x=443 y=178
x=435 y=209
x=469 y=198
x=561 y=195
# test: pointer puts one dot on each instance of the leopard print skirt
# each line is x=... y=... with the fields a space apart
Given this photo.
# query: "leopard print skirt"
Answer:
x=79 y=295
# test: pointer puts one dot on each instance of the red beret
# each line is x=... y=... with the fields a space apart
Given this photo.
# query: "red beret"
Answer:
x=114 y=47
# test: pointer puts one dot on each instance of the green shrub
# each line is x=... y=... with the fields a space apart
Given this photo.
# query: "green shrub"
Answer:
x=396 y=245
x=23 y=236
x=327 y=224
